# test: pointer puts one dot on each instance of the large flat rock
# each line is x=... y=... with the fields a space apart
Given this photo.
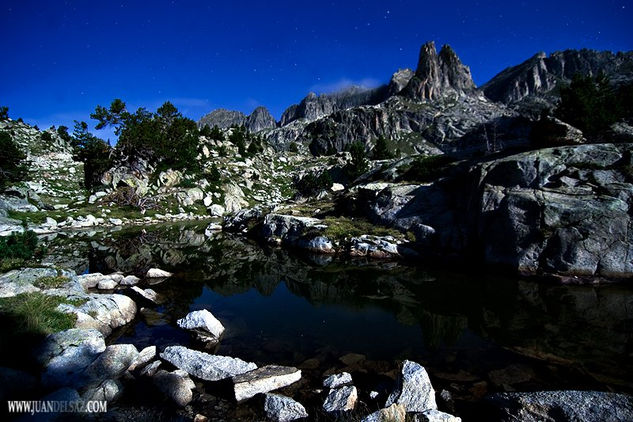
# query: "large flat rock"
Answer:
x=263 y=380
x=205 y=366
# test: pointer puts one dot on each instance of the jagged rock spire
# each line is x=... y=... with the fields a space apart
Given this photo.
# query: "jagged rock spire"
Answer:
x=437 y=75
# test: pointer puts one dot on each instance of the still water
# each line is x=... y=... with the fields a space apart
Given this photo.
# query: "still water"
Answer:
x=476 y=333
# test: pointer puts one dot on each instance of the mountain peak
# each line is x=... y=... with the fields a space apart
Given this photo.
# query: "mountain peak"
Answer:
x=438 y=74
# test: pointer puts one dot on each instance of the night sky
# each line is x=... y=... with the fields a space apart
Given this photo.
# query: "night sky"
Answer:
x=62 y=58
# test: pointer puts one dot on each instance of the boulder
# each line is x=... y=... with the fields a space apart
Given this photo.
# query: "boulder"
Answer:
x=280 y=408
x=393 y=413
x=130 y=280
x=433 y=415
x=338 y=380
x=205 y=366
x=150 y=369
x=112 y=363
x=143 y=358
x=203 y=324
x=414 y=391
x=107 y=390
x=103 y=312
x=107 y=283
x=148 y=295
x=341 y=399
x=554 y=406
x=175 y=385
x=216 y=210
x=66 y=355
x=158 y=273
x=263 y=380
x=169 y=178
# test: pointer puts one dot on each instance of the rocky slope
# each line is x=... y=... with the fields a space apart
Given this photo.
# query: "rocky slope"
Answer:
x=540 y=74
x=54 y=178
x=258 y=120
x=438 y=103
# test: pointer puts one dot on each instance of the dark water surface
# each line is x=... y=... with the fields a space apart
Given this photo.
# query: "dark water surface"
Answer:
x=475 y=333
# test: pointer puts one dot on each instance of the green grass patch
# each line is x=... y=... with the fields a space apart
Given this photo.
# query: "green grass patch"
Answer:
x=36 y=313
x=342 y=227
x=50 y=282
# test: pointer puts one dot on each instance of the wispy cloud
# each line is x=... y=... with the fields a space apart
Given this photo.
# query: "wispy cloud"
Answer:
x=344 y=83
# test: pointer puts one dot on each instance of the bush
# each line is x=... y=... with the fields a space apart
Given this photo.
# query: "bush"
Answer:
x=95 y=153
x=12 y=161
x=126 y=196
x=4 y=113
x=382 y=150
x=17 y=248
x=165 y=137
x=426 y=169
x=358 y=165
x=213 y=174
x=46 y=137
x=592 y=104
x=313 y=183
x=293 y=147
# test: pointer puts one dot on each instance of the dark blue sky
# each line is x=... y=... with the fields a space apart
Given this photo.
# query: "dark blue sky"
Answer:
x=62 y=58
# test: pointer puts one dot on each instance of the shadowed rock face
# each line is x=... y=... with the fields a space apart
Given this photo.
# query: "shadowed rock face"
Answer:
x=541 y=73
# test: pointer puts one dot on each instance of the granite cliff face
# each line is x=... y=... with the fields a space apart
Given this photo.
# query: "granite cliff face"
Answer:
x=438 y=75
x=258 y=120
x=540 y=74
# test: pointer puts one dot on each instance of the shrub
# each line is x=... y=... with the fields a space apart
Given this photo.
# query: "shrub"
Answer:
x=358 y=165
x=95 y=153
x=166 y=136
x=4 y=113
x=426 y=169
x=12 y=161
x=18 y=245
x=46 y=137
x=382 y=150
x=313 y=183
x=592 y=104
x=293 y=147
x=126 y=196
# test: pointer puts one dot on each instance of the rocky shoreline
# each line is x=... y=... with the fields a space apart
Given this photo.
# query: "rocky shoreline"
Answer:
x=77 y=364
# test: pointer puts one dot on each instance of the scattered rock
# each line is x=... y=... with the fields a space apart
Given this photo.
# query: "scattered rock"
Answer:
x=263 y=380
x=130 y=280
x=338 y=380
x=108 y=390
x=415 y=391
x=341 y=399
x=205 y=366
x=157 y=273
x=283 y=409
x=150 y=369
x=393 y=413
x=554 y=406
x=143 y=358
x=107 y=283
x=147 y=294
x=175 y=385
x=203 y=324
x=66 y=355
x=433 y=415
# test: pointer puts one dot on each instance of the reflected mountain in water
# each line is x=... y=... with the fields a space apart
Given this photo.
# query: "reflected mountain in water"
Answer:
x=284 y=307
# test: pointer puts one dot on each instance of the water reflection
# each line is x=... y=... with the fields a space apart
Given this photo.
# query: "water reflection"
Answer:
x=289 y=309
